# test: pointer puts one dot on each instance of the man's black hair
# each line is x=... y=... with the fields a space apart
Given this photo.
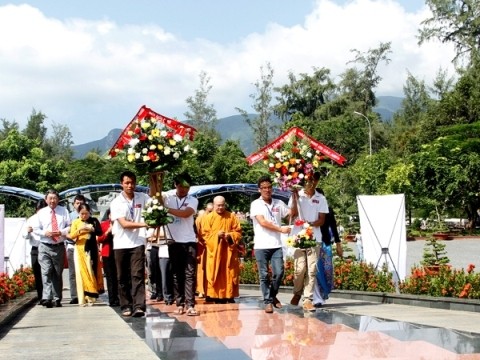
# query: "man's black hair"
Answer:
x=129 y=174
x=264 y=178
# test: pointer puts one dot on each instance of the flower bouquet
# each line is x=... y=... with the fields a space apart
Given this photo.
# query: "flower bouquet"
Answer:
x=304 y=239
x=155 y=214
x=294 y=164
x=152 y=146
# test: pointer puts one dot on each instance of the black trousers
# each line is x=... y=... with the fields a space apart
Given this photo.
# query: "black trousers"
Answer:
x=155 y=272
x=37 y=272
x=110 y=270
x=183 y=258
x=131 y=277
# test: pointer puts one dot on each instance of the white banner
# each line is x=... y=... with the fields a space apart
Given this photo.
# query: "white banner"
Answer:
x=16 y=249
x=383 y=230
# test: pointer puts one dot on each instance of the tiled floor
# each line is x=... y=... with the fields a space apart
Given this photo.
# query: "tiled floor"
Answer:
x=244 y=331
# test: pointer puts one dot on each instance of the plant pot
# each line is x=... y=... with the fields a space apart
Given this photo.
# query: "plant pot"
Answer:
x=432 y=269
x=350 y=237
x=442 y=236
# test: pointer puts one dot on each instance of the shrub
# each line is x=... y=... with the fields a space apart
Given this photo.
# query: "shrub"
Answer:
x=21 y=282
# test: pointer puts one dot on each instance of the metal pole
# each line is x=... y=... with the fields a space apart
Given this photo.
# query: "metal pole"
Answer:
x=369 y=130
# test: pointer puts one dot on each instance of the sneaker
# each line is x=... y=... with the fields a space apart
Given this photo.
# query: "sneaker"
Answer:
x=308 y=306
x=191 y=311
x=295 y=300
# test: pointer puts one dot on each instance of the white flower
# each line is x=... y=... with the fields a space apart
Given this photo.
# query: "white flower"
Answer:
x=270 y=151
x=131 y=151
x=146 y=158
x=155 y=201
x=176 y=155
x=309 y=154
x=149 y=210
x=186 y=148
x=153 y=147
x=133 y=142
x=177 y=137
x=167 y=150
x=163 y=133
x=144 y=151
x=137 y=155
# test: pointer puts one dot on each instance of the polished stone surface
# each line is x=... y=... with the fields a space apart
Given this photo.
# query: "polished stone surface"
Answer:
x=244 y=331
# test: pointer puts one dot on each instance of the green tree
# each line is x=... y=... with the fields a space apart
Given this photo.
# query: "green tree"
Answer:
x=369 y=78
x=303 y=96
x=59 y=145
x=35 y=128
x=456 y=22
x=202 y=115
x=7 y=126
x=261 y=122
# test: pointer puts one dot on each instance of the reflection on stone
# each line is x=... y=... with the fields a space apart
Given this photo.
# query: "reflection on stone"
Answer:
x=244 y=331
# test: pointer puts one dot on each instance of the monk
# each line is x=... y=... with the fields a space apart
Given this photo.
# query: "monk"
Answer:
x=222 y=233
x=201 y=253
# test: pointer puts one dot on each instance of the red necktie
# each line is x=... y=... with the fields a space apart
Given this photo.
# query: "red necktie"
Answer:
x=54 y=225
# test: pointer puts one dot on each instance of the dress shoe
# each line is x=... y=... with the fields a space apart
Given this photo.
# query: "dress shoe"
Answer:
x=58 y=303
x=168 y=302
x=74 y=301
x=269 y=308
x=153 y=296
x=308 y=306
x=41 y=302
x=295 y=300
x=277 y=303
x=159 y=298
x=48 y=304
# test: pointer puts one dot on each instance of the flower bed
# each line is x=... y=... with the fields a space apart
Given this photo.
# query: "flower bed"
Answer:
x=359 y=276
x=13 y=287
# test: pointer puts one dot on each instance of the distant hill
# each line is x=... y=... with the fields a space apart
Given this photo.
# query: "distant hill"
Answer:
x=231 y=128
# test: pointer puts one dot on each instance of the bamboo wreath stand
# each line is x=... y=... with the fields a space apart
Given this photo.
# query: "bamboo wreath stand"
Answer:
x=155 y=180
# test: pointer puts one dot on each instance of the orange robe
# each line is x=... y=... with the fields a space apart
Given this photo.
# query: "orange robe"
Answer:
x=201 y=286
x=222 y=265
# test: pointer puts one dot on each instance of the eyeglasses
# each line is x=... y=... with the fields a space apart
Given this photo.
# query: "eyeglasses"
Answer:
x=266 y=187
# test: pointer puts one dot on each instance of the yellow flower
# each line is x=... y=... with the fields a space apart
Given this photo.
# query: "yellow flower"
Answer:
x=155 y=133
x=145 y=125
x=160 y=146
x=172 y=142
x=131 y=157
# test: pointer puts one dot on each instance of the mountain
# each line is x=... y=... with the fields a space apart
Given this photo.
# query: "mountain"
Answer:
x=231 y=128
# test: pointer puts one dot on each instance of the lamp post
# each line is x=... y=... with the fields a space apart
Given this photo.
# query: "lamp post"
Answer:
x=369 y=130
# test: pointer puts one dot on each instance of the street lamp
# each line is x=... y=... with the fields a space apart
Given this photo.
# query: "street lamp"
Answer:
x=369 y=130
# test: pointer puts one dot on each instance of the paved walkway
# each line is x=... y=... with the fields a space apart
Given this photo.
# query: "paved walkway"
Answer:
x=343 y=329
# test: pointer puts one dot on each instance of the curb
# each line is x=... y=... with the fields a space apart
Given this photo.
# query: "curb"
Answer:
x=10 y=310
x=442 y=303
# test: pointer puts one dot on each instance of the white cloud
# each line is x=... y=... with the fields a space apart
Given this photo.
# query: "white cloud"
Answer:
x=94 y=75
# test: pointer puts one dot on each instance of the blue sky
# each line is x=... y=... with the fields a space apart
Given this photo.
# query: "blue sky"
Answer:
x=92 y=64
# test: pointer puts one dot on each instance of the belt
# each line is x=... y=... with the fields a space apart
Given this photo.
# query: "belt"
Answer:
x=34 y=247
x=51 y=245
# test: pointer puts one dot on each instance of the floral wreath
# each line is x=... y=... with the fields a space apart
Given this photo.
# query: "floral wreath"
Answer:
x=293 y=164
x=152 y=146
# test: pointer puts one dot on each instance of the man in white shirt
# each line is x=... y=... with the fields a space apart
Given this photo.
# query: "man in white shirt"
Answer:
x=183 y=252
x=267 y=214
x=52 y=225
x=313 y=208
x=129 y=239
x=34 y=241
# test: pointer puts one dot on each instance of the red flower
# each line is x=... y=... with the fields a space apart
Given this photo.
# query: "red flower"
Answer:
x=470 y=268
x=299 y=222
x=137 y=130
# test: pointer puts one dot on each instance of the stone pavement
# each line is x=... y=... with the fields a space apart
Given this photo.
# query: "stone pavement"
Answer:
x=342 y=329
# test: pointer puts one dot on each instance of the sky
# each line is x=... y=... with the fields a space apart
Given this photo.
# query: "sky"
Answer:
x=91 y=65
